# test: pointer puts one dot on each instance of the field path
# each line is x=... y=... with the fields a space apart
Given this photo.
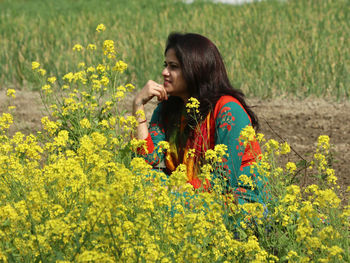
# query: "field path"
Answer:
x=298 y=122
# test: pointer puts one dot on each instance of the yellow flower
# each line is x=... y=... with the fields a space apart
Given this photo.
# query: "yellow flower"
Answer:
x=104 y=124
x=108 y=48
x=129 y=87
x=81 y=65
x=51 y=80
x=164 y=146
x=192 y=104
x=35 y=65
x=221 y=151
x=247 y=135
x=260 y=137
x=46 y=89
x=78 y=47
x=6 y=120
x=323 y=143
x=135 y=144
x=292 y=255
x=50 y=126
x=91 y=47
x=331 y=178
x=101 y=68
x=285 y=148
x=61 y=139
x=91 y=69
x=100 y=28
x=247 y=181
x=11 y=93
x=210 y=155
x=42 y=71
x=119 y=95
x=291 y=167
x=120 y=66
x=85 y=123
x=140 y=114
x=99 y=139
x=139 y=164
x=190 y=153
x=105 y=80
x=69 y=76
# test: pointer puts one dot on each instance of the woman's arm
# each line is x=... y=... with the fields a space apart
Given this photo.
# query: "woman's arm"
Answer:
x=150 y=90
x=231 y=119
x=155 y=133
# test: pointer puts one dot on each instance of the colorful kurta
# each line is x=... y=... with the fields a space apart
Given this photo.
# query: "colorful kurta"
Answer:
x=222 y=126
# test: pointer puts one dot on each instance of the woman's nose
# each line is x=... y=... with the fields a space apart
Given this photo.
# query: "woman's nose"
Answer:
x=165 y=71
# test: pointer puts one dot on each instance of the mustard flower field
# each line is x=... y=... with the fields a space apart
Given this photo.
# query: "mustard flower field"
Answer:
x=77 y=191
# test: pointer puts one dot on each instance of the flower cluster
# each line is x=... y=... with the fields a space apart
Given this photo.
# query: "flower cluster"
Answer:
x=192 y=104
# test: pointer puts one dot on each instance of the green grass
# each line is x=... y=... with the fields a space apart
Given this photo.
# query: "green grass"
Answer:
x=271 y=48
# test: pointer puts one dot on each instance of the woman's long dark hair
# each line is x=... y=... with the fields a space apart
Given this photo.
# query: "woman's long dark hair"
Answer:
x=205 y=75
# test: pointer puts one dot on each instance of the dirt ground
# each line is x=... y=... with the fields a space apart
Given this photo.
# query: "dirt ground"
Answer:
x=297 y=122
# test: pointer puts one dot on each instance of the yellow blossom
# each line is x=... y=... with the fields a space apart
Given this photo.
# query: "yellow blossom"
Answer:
x=291 y=167
x=35 y=65
x=91 y=47
x=140 y=114
x=46 y=88
x=11 y=93
x=69 y=76
x=191 y=153
x=78 y=47
x=6 y=120
x=101 y=68
x=285 y=148
x=323 y=143
x=163 y=146
x=192 y=104
x=120 y=66
x=247 y=135
x=108 y=48
x=129 y=87
x=210 y=155
x=52 y=80
x=100 y=28
x=105 y=80
x=246 y=181
x=42 y=71
x=91 y=69
x=85 y=123
x=136 y=144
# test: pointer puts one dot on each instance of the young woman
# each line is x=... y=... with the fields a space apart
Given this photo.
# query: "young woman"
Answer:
x=193 y=67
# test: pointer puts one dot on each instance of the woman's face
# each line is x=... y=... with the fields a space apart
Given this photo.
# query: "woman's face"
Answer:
x=174 y=82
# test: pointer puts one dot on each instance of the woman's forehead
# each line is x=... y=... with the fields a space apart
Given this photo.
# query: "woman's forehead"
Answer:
x=171 y=56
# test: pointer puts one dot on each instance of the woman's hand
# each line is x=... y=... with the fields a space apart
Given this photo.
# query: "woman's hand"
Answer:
x=150 y=90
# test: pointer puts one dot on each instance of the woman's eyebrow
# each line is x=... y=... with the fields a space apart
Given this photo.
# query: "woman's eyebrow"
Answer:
x=172 y=62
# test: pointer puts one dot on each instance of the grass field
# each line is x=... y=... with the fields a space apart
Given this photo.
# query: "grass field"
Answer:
x=270 y=48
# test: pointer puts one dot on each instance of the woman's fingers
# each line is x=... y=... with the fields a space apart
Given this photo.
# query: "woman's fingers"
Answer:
x=162 y=92
x=150 y=90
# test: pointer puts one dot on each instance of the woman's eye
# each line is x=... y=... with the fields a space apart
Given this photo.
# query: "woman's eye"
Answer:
x=165 y=65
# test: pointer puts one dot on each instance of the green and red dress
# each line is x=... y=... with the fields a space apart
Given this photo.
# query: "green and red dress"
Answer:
x=221 y=126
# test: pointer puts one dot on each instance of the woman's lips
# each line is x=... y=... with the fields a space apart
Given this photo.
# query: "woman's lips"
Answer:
x=166 y=83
